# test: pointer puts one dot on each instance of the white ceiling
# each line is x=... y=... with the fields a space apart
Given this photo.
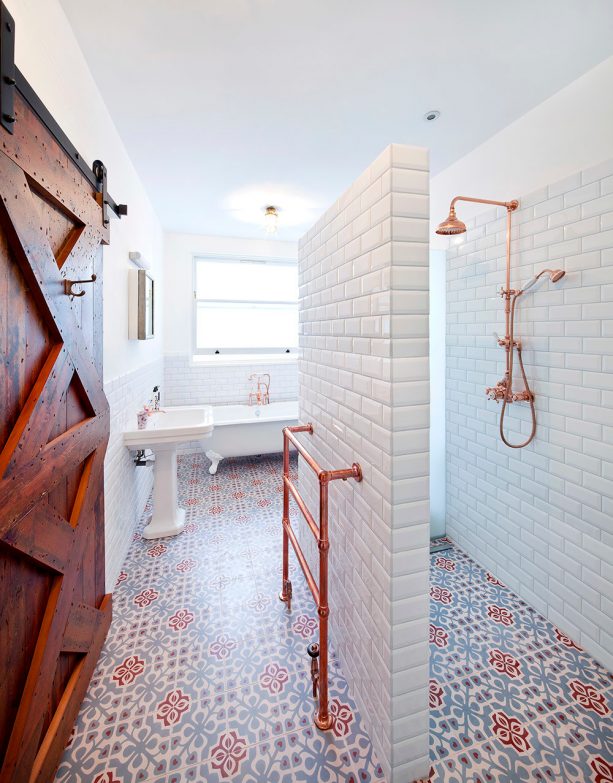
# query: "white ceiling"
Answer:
x=226 y=105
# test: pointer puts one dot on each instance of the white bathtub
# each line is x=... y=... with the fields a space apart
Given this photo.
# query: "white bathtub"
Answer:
x=243 y=430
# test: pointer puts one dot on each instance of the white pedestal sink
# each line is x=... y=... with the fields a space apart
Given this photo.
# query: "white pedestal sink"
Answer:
x=166 y=429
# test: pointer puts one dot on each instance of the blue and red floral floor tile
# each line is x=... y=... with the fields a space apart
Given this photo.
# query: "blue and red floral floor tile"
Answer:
x=204 y=675
x=512 y=698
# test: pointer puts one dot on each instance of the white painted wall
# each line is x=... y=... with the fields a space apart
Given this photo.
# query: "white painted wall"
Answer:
x=364 y=384
x=48 y=55
x=572 y=130
x=438 y=262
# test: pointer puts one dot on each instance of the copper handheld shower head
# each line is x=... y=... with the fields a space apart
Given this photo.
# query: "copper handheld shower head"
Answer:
x=451 y=225
x=555 y=275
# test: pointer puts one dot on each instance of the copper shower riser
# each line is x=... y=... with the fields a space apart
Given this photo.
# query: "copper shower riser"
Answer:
x=503 y=390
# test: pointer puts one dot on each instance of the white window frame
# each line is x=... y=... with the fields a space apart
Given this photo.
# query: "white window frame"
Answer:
x=237 y=354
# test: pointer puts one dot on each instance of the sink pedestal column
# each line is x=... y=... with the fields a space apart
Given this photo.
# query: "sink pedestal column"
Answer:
x=168 y=519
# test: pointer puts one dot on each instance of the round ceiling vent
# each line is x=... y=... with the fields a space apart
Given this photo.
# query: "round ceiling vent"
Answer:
x=432 y=115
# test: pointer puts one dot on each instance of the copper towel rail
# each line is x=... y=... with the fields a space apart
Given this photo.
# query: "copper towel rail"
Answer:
x=318 y=652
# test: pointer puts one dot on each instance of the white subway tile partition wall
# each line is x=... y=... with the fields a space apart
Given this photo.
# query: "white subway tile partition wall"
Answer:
x=363 y=382
x=126 y=487
x=187 y=383
x=540 y=518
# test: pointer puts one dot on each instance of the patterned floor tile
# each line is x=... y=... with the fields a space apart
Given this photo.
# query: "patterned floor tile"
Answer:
x=204 y=675
x=512 y=698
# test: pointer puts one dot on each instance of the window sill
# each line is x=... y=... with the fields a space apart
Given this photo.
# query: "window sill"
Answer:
x=200 y=360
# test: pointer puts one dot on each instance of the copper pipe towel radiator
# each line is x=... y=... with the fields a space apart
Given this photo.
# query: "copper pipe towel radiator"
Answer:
x=318 y=653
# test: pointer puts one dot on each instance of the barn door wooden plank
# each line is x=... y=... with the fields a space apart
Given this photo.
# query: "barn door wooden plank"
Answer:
x=81 y=626
x=44 y=536
x=52 y=746
x=31 y=483
x=32 y=430
x=26 y=735
x=54 y=426
x=40 y=269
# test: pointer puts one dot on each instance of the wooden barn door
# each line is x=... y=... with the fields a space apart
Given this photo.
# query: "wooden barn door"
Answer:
x=54 y=424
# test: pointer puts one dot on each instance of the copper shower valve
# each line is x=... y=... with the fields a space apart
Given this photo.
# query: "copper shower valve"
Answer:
x=522 y=396
x=501 y=392
x=497 y=392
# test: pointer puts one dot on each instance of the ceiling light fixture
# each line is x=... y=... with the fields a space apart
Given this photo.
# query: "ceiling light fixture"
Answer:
x=432 y=115
x=271 y=220
x=248 y=204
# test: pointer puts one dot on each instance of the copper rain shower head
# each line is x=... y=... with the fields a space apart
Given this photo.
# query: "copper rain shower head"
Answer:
x=556 y=274
x=451 y=225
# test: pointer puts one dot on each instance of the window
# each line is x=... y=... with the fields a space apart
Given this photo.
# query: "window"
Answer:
x=245 y=307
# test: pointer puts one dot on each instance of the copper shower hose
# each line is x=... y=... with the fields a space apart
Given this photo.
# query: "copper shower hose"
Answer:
x=510 y=381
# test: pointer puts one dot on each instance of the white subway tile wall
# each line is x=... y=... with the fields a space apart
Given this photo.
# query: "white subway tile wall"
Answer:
x=363 y=382
x=126 y=486
x=540 y=518
x=187 y=383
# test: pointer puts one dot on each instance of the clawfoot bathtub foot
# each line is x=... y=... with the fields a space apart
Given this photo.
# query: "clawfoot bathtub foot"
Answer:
x=215 y=460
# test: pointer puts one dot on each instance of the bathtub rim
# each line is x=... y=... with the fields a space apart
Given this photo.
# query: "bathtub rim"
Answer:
x=250 y=420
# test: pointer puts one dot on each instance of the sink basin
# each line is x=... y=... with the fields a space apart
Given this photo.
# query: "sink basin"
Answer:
x=166 y=429
x=172 y=426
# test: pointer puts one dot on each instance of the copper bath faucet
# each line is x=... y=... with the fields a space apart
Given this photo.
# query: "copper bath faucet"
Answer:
x=262 y=395
x=503 y=390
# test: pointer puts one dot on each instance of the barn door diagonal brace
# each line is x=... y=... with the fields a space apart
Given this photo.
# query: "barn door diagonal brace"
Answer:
x=7 y=69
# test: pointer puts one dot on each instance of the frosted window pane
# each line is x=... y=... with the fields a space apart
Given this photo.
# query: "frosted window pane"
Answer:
x=248 y=326
x=231 y=280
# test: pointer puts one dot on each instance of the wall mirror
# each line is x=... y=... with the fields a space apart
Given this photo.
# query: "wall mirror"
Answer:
x=141 y=325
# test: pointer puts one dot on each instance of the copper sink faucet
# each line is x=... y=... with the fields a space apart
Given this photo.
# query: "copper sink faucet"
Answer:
x=262 y=395
x=503 y=390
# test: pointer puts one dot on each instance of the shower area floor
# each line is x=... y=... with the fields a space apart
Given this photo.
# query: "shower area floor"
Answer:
x=204 y=675
x=512 y=698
